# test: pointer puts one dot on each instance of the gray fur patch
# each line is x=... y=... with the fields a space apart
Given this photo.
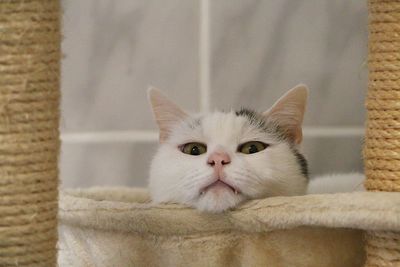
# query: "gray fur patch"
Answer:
x=258 y=120
x=194 y=123
x=301 y=160
x=272 y=127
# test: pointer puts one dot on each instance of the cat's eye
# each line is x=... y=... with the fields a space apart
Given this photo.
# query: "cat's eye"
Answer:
x=252 y=147
x=194 y=149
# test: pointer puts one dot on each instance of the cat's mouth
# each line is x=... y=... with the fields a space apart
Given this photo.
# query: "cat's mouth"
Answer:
x=219 y=183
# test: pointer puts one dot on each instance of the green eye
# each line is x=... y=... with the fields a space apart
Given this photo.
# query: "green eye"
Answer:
x=252 y=147
x=194 y=149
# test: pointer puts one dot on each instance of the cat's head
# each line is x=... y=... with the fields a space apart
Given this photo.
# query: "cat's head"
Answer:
x=217 y=160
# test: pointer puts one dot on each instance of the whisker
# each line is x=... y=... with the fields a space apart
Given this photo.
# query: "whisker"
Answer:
x=189 y=180
x=185 y=180
x=247 y=176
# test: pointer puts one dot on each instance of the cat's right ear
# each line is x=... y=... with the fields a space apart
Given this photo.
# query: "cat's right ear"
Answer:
x=166 y=113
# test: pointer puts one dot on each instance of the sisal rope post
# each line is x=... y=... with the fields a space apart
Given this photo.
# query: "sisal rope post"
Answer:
x=29 y=135
x=382 y=140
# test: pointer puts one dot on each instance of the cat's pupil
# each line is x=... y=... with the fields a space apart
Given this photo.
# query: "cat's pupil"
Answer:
x=195 y=151
x=253 y=149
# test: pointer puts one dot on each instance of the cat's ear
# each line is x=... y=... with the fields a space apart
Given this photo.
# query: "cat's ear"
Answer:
x=166 y=113
x=289 y=110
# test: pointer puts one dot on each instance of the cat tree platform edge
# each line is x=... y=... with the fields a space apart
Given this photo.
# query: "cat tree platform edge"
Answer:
x=120 y=226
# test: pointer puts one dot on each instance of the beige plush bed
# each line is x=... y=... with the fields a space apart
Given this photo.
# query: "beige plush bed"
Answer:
x=119 y=227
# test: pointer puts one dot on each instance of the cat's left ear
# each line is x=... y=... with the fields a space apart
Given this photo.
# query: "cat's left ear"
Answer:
x=166 y=113
x=288 y=112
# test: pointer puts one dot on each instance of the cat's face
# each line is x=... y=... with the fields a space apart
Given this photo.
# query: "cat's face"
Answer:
x=215 y=161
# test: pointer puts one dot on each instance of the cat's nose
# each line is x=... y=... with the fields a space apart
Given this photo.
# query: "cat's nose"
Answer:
x=219 y=159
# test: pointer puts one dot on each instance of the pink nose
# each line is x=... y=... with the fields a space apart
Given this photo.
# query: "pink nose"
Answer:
x=218 y=159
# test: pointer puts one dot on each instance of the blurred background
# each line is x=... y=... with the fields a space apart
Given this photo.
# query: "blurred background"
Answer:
x=206 y=55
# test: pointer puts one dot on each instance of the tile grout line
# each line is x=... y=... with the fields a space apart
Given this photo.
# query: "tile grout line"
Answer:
x=136 y=136
x=125 y=136
x=204 y=55
x=149 y=136
x=332 y=131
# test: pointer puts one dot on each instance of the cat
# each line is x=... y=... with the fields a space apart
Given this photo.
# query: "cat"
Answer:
x=336 y=183
x=214 y=162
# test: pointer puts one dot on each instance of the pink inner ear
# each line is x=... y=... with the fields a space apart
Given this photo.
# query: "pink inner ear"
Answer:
x=166 y=113
x=289 y=110
x=298 y=135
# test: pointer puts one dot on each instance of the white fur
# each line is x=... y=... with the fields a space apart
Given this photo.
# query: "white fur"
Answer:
x=336 y=183
x=178 y=177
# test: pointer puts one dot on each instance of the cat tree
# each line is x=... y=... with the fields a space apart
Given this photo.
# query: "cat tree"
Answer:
x=382 y=139
x=118 y=227
x=29 y=138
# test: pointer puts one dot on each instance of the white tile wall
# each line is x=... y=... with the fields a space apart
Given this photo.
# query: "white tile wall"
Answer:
x=115 y=49
x=206 y=55
x=260 y=49
x=333 y=154
x=110 y=163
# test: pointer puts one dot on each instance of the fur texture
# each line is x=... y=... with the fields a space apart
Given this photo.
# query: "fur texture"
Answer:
x=278 y=170
x=336 y=183
x=119 y=227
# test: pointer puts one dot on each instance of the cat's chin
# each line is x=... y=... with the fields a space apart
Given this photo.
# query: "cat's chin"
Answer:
x=218 y=200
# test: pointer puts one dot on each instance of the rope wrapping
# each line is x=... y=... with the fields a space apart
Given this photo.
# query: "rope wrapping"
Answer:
x=382 y=140
x=29 y=136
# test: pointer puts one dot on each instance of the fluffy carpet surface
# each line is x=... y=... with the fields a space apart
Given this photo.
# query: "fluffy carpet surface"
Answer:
x=120 y=227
